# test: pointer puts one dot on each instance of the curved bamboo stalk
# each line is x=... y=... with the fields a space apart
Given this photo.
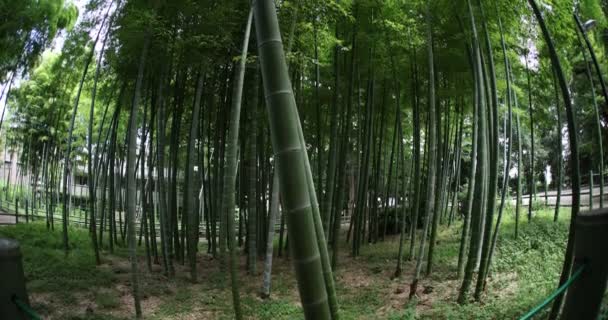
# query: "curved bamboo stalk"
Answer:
x=481 y=181
x=509 y=142
x=574 y=155
x=493 y=154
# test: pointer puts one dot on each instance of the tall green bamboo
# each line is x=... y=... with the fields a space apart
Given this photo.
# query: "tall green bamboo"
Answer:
x=493 y=154
x=466 y=227
x=189 y=211
x=252 y=172
x=507 y=160
x=160 y=185
x=151 y=216
x=439 y=186
x=224 y=112
x=531 y=178
x=560 y=157
x=519 y=173
x=91 y=174
x=397 y=138
x=331 y=172
x=67 y=159
x=318 y=224
x=100 y=167
x=457 y=168
x=318 y=118
x=378 y=146
x=143 y=202
x=112 y=176
x=345 y=132
x=405 y=193
x=131 y=178
x=574 y=155
x=398 y=134
x=175 y=248
x=231 y=164
x=366 y=135
x=432 y=134
x=274 y=211
x=288 y=149
x=417 y=161
x=481 y=178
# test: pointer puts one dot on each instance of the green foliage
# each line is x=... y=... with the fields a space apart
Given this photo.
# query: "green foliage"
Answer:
x=274 y=309
x=39 y=106
x=525 y=270
x=592 y=9
x=23 y=39
x=46 y=266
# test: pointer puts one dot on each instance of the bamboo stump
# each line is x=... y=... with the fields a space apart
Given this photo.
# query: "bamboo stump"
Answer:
x=12 y=280
x=584 y=297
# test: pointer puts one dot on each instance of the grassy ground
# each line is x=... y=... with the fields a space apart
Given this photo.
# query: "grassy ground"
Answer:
x=525 y=271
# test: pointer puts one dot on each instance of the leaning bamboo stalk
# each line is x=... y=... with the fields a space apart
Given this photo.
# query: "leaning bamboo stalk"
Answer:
x=290 y=157
x=232 y=165
x=574 y=155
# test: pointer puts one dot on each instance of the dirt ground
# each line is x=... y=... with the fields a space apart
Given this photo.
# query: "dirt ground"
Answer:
x=209 y=298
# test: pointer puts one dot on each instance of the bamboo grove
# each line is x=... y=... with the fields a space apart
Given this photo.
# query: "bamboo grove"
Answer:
x=215 y=127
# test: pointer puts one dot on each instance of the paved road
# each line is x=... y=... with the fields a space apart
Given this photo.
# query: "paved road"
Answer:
x=6 y=219
x=566 y=198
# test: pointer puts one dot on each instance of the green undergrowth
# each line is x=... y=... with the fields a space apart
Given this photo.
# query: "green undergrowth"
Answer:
x=46 y=266
x=524 y=271
x=62 y=280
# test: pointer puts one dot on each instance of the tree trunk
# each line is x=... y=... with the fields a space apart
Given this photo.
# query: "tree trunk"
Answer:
x=165 y=241
x=531 y=178
x=190 y=212
x=519 y=173
x=507 y=160
x=131 y=179
x=274 y=211
x=560 y=157
x=252 y=172
x=481 y=181
x=574 y=156
x=67 y=160
x=493 y=154
x=290 y=160
x=432 y=173
x=231 y=165
x=417 y=165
